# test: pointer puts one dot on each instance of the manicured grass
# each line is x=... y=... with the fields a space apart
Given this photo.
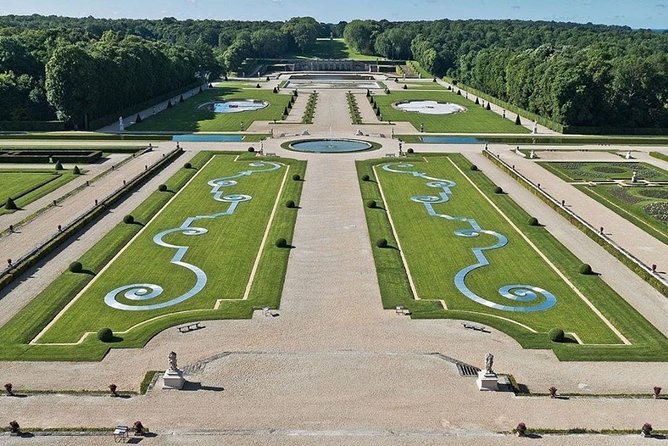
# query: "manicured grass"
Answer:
x=193 y=116
x=644 y=206
x=604 y=171
x=226 y=278
x=325 y=48
x=427 y=85
x=659 y=155
x=434 y=254
x=29 y=185
x=474 y=120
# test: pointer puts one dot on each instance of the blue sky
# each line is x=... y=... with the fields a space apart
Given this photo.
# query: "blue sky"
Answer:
x=634 y=13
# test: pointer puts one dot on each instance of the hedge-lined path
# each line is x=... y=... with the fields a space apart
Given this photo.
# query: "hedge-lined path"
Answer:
x=620 y=230
x=35 y=232
x=526 y=122
x=17 y=295
x=91 y=171
x=644 y=298
x=333 y=360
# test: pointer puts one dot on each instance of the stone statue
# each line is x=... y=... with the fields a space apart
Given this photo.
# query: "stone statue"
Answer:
x=121 y=127
x=489 y=361
x=172 y=362
x=628 y=155
x=634 y=178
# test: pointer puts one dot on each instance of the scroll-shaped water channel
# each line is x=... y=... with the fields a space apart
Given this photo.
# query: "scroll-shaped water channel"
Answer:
x=517 y=293
x=143 y=292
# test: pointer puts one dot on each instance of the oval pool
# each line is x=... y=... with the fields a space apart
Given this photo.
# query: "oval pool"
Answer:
x=330 y=145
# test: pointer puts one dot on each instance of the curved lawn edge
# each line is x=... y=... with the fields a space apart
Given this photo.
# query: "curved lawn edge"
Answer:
x=648 y=343
x=266 y=290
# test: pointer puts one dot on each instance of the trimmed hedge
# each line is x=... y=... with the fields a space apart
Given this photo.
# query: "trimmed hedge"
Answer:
x=382 y=243
x=585 y=268
x=76 y=267
x=105 y=334
x=594 y=235
x=556 y=335
x=162 y=188
x=128 y=219
x=371 y=204
x=290 y=204
x=32 y=126
x=281 y=243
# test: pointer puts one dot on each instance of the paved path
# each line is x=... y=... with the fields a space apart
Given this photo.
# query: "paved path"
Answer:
x=17 y=295
x=638 y=242
x=526 y=122
x=35 y=232
x=92 y=171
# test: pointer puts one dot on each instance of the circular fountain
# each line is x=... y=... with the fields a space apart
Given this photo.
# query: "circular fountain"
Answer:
x=330 y=145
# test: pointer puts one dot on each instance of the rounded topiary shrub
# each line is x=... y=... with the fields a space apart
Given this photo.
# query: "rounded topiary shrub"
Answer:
x=289 y=204
x=556 y=335
x=498 y=190
x=410 y=150
x=105 y=334
x=76 y=170
x=76 y=267
x=281 y=243
x=382 y=243
x=188 y=166
x=59 y=166
x=585 y=268
x=371 y=204
x=533 y=221
x=365 y=177
x=251 y=149
x=162 y=187
x=474 y=167
x=296 y=177
x=129 y=219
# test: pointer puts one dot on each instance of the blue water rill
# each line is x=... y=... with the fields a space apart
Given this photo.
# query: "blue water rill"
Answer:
x=517 y=293
x=142 y=292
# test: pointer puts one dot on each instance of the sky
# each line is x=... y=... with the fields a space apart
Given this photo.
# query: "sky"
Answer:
x=634 y=13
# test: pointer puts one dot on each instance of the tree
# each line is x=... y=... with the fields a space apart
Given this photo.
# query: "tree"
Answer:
x=303 y=30
x=71 y=84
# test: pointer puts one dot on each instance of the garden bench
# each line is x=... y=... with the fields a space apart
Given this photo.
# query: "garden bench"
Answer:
x=475 y=327
x=400 y=309
x=190 y=327
x=120 y=433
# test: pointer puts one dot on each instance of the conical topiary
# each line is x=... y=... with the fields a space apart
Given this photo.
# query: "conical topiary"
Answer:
x=518 y=121
x=59 y=165
x=10 y=205
x=76 y=170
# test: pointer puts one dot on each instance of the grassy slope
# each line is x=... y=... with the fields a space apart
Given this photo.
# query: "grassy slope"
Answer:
x=187 y=117
x=266 y=289
x=649 y=344
x=475 y=120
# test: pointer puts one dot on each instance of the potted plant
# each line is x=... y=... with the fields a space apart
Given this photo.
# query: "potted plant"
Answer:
x=553 y=392
x=657 y=391
x=10 y=392
x=521 y=429
x=112 y=389
x=138 y=427
x=646 y=430
x=14 y=428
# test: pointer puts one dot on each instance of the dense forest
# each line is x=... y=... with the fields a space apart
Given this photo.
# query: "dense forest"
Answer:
x=89 y=70
x=575 y=75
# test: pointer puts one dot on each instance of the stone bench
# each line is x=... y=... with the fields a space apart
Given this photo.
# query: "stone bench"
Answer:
x=190 y=327
x=403 y=311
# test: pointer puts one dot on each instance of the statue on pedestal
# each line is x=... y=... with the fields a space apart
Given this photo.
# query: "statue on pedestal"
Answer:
x=121 y=127
x=172 y=362
x=489 y=361
x=634 y=178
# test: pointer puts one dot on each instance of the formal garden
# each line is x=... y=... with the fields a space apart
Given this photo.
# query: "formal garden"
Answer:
x=201 y=113
x=644 y=202
x=474 y=118
x=448 y=243
x=212 y=242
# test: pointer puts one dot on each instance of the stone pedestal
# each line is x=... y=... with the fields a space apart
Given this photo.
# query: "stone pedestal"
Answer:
x=173 y=379
x=487 y=381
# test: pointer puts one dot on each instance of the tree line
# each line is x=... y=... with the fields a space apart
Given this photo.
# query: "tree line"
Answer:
x=574 y=74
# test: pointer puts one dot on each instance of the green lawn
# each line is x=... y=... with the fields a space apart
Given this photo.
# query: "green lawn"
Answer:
x=434 y=255
x=193 y=116
x=644 y=206
x=474 y=120
x=226 y=253
x=26 y=186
